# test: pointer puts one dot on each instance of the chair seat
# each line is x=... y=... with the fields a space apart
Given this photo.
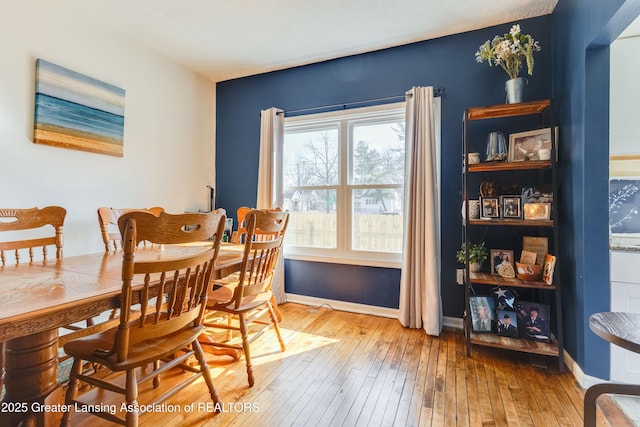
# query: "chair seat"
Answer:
x=139 y=354
x=223 y=293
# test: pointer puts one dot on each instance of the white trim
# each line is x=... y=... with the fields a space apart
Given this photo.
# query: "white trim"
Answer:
x=453 y=323
x=368 y=262
x=352 y=307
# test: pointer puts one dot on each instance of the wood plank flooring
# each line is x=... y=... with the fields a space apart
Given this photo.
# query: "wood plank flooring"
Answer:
x=346 y=369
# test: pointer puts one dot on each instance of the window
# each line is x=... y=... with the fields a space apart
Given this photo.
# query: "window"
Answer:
x=342 y=182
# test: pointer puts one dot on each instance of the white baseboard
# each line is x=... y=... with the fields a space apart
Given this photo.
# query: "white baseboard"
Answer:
x=392 y=313
x=343 y=306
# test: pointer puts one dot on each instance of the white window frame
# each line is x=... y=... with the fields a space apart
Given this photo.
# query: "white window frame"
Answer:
x=340 y=255
x=345 y=119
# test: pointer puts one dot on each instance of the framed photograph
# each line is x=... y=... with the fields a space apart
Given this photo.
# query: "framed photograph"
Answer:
x=539 y=245
x=537 y=211
x=531 y=145
x=500 y=258
x=507 y=323
x=489 y=207
x=533 y=321
x=511 y=207
x=483 y=312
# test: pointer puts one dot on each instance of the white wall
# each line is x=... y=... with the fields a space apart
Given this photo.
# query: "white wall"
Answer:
x=624 y=139
x=624 y=94
x=169 y=124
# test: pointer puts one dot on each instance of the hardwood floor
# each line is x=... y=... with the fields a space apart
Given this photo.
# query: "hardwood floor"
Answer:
x=346 y=369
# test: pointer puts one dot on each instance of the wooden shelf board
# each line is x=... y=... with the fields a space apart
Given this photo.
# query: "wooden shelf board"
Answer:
x=509 y=166
x=517 y=344
x=513 y=222
x=507 y=110
x=481 y=278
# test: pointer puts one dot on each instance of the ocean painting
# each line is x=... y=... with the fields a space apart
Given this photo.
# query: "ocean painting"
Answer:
x=77 y=112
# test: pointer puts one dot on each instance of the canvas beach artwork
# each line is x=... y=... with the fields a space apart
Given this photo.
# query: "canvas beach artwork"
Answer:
x=77 y=112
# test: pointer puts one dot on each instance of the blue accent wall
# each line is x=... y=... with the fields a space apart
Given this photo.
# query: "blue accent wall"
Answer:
x=363 y=285
x=447 y=62
x=583 y=31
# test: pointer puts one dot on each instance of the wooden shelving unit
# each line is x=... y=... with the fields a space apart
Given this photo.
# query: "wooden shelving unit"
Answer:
x=482 y=280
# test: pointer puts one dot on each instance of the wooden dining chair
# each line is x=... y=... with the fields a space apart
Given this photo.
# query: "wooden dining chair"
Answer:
x=245 y=296
x=170 y=297
x=31 y=246
x=241 y=231
x=32 y=234
x=108 y=221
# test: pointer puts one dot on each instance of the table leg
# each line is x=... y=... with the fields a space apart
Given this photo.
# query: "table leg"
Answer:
x=31 y=367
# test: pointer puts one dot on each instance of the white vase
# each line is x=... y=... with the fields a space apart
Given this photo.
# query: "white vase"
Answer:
x=514 y=89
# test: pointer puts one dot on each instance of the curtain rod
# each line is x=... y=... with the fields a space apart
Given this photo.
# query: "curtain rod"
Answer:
x=436 y=92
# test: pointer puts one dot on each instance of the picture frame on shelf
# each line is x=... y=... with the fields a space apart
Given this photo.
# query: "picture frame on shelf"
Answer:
x=507 y=323
x=539 y=245
x=538 y=194
x=534 y=320
x=537 y=211
x=500 y=257
x=483 y=312
x=526 y=146
x=528 y=257
x=511 y=207
x=489 y=207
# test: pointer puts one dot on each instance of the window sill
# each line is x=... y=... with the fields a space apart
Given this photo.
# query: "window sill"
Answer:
x=365 y=262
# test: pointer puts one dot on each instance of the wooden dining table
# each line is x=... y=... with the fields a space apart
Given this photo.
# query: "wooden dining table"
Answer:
x=38 y=298
x=623 y=330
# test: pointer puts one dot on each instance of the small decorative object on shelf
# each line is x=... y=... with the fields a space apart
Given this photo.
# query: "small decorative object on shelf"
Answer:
x=506 y=298
x=478 y=254
x=509 y=52
x=488 y=189
x=474 y=209
x=496 y=147
x=549 y=267
x=474 y=158
x=535 y=211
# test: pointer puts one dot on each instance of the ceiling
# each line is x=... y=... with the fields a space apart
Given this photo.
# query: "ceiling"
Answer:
x=225 y=39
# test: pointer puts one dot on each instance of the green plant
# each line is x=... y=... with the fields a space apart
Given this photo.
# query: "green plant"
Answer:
x=477 y=253
x=509 y=51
